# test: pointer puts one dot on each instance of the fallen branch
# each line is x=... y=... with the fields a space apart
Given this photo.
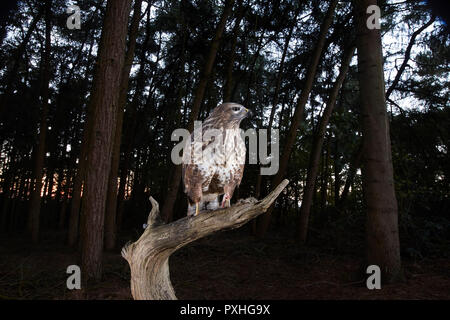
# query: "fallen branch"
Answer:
x=148 y=257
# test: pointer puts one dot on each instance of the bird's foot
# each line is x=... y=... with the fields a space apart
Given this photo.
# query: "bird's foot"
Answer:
x=226 y=200
x=193 y=210
x=196 y=209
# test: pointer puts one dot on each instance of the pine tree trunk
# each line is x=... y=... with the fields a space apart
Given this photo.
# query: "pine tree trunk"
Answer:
x=111 y=200
x=35 y=202
x=251 y=68
x=355 y=163
x=324 y=177
x=130 y=123
x=105 y=97
x=276 y=95
x=264 y=220
x=337 y=170
x=319 y=137
x=383 y=247
x=169 y=202
x=280 y=70
x=6 y=190
x=62 y=211
x=74 y=218
x=74 y=215
x=227 y=89
x=12 y=74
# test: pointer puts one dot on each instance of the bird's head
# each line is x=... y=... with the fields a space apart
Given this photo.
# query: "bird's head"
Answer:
x=229 y=115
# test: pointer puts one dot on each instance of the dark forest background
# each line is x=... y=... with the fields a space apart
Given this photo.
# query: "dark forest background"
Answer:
x=179 y=60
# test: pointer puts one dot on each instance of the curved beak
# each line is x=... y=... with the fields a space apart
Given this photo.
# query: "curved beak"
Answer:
x=248 y=113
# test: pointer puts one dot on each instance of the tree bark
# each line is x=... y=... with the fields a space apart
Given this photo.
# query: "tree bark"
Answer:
x=111 y=200
x=277 y=91
x=383 y=247
x=354 y=165
x=336 y=171
x=324 y=177
x=264 y=220
x=74 y=216
x=228 y=86
x=319 y=137
x=63 y=205
x=251 y=68
x=105 y=95
x=280 y=70
x=148 y=257
x=174 y=185
x=130 y=123
x=12 y=74
x=35 y=202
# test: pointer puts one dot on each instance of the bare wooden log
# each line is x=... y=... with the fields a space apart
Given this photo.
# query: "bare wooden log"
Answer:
x=148 y=257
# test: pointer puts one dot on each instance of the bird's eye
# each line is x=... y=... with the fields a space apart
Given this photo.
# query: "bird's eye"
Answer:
x=236 y=109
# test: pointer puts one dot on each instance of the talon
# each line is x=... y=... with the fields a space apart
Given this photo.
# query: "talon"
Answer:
x=225 y=200
x=196 y=209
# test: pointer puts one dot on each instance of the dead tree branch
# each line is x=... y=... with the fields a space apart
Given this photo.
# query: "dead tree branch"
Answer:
x=148 y=257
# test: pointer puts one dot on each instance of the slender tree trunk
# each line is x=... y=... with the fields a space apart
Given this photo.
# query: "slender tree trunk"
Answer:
x=35 y=203
x=201 y=87
x=121 y=198
x=319 y=137
x=252 y=67
x=50 y=178
x=130 y=124
x=383 y=247
x=324 y=176
x=6 y=200
x=337 y=164
x=277 y=93
x=105 y=95
x=264 y=221
x=111 y=200
x=167 y=210
x=281 y=70
x=74 y=217
x=227 y=91
x=355 y=163
x=45 y=189
x=62 y=211
x=181 y=78
x=336 y=173
x=12 y=74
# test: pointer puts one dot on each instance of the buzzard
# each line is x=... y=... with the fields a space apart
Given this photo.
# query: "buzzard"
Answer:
x=214 y=158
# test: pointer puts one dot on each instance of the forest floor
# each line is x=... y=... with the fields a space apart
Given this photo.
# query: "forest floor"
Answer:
x=228 y=265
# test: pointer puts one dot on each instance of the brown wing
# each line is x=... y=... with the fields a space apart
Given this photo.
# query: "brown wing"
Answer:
x=238 y=172
x=237 y=178
x=192 y=182
x=194 y=179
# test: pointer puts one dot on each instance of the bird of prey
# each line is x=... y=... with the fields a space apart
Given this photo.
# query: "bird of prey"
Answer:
x=214 y=158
